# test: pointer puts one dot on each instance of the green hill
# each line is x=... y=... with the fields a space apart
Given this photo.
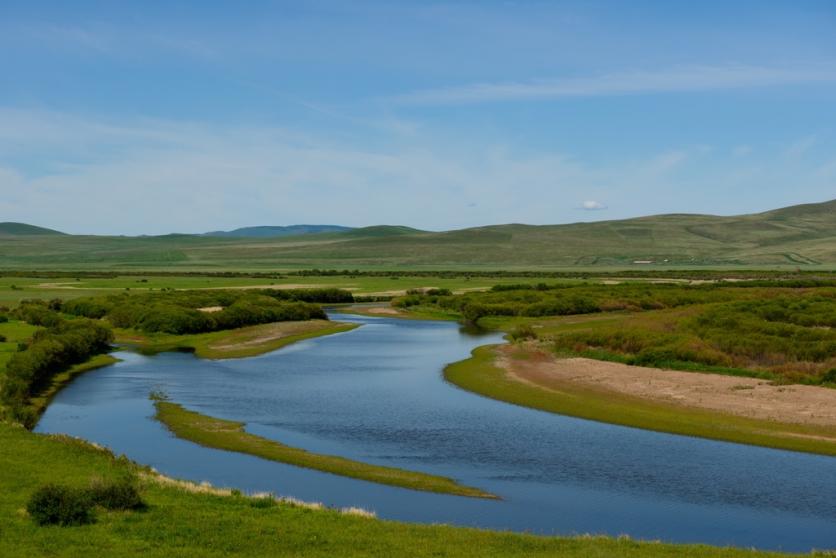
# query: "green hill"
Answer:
x=22 y=229
x=803 y=235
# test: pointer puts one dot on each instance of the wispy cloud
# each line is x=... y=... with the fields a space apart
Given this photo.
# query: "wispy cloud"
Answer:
x=157 y=176
x=693 y=78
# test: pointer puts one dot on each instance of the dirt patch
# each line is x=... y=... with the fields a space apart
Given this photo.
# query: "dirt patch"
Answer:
x=748 y=397
x=211 y=309
x=386 y=310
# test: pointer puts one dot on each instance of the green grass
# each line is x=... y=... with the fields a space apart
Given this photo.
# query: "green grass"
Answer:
x=232 y=343
x=231 y=436
x=480 y=374
x=183 y=524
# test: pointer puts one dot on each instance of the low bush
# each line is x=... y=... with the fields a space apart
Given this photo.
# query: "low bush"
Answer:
x=121 y=494
x=61 y=505
x=522 y=332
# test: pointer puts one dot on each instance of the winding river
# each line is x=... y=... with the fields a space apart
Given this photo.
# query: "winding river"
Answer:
x=377 y=394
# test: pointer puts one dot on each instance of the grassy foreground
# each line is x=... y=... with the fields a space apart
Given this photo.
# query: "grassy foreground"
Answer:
x=229 y=435
x=481 y=375
x=232 y=343
x=183 y=523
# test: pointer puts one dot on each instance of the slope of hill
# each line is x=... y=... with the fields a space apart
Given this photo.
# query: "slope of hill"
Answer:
x=22 y=229
x=803 y=235
x=277 y=231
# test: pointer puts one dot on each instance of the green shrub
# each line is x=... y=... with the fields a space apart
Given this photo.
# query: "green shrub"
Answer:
x=60 y=505
x=521 y=332
x=829 y=377
x=3 y=318
x=122 y=494
x=2 y=338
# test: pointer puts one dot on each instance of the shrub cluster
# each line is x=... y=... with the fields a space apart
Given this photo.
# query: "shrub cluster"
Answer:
x=55 y=504
x=50 y=351
x=539 y=300
x=179 y=312
x=787 y=336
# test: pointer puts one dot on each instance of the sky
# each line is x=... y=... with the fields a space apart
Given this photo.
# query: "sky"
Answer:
x=156 y=117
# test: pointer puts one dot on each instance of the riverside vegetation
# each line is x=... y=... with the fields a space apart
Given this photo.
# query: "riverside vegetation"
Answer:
x=779 y=332
x=228 y=522
x=215 y=324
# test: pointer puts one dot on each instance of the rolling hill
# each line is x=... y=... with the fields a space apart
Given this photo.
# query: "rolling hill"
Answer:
x=803 y=235
x=277 y=231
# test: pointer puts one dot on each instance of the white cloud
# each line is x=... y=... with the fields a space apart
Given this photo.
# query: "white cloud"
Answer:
x=693 y=78
x=592 y=205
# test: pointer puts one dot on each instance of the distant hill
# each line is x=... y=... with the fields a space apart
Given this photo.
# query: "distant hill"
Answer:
x=22 y=229
x=798 y=236
x=279 y=231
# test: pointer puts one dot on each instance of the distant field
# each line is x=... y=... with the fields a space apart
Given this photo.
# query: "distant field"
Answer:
x=801 y=236
x=14 y=289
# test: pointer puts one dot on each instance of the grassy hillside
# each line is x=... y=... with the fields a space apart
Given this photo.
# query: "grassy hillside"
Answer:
x=803 y=236
x=22 y=229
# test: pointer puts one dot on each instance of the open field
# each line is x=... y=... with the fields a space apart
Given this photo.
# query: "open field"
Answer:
x=231 y=436
x=183 y=522
x=799 y=236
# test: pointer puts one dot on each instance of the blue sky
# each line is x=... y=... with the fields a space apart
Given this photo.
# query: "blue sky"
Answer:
x=153 y=117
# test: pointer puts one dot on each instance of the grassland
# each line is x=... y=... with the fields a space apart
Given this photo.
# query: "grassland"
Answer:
x=231 y=436
x=790 y=237
x=13 y=289
x=232 y=343
x=195 y=523
x=481 y=375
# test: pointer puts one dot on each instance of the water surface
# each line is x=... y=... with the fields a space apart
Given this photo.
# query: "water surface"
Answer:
x=377 y=394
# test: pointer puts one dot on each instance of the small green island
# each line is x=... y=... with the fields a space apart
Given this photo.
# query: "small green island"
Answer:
x=231 y=436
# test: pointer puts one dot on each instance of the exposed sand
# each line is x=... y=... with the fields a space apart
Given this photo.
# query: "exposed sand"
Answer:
x=749 y=397
x=253 y=336
x=211 y=309
x=387 y=310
